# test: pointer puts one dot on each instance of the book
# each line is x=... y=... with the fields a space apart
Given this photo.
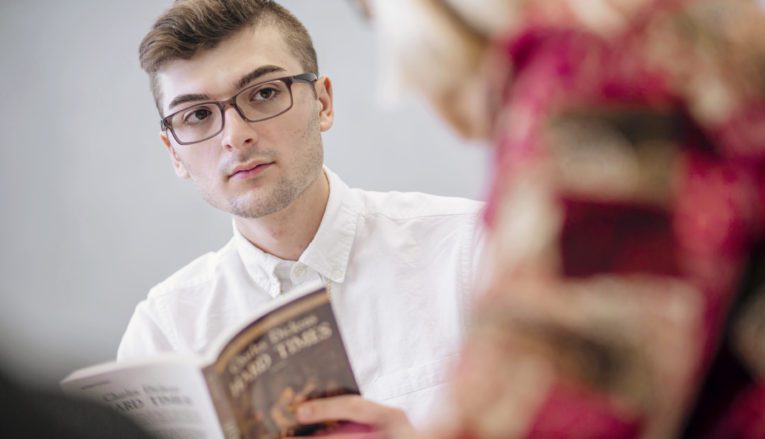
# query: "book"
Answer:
x=247 y=385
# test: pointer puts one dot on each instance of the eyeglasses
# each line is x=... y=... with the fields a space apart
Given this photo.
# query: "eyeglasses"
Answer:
x=256 y=103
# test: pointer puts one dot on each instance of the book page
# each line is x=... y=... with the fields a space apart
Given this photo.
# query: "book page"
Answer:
x=292 y=354
x=169 y=398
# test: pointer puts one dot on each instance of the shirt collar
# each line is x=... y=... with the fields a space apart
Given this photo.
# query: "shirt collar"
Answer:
x=329 y=251
x=260 y=265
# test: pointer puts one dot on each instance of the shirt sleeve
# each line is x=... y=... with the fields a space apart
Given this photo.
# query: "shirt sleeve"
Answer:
x=472 y=251
x=476 y=251
x=144 y=335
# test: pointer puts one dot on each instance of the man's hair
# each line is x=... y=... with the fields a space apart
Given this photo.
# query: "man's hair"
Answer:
x=191 y=26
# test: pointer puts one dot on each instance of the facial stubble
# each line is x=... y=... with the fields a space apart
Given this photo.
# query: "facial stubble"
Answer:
x=262 y=201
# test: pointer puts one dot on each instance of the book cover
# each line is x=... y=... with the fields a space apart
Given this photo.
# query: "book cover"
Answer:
x=247 y=386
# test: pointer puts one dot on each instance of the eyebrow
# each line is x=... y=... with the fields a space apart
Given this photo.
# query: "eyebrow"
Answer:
x=241 y=83
x=187 y=98
x=257 y=73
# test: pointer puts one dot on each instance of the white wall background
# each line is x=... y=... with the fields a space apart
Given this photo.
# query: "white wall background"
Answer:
x=92 y=215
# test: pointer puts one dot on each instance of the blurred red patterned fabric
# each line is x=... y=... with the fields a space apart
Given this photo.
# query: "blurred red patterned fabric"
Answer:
x=626 y=219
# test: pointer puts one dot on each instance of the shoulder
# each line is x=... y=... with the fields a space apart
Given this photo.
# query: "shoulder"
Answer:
x=407 y=206
x=196 y=274
x=179 y=299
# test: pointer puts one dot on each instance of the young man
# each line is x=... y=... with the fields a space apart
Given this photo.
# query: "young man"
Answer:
x=242 y=112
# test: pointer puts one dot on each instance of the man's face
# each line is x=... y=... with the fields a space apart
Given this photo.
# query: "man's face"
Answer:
x=249 y=169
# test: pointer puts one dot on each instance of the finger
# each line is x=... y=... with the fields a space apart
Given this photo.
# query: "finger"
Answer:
x=350 y=408
x=370 y=435
x=346 y=431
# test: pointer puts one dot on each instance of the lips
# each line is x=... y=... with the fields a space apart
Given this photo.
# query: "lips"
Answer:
x=249 y=170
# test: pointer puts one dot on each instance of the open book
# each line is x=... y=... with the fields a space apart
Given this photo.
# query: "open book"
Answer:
x=249 y=383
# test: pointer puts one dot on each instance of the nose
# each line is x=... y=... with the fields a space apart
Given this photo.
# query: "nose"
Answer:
x=237 y=133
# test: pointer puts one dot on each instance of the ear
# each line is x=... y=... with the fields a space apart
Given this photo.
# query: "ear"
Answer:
x=178 y=166
x=324 y=94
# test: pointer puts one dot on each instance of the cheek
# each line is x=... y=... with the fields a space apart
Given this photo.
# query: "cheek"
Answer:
x=201 y=165
x=296 y=135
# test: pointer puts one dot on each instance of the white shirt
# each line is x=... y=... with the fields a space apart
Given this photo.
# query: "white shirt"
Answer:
x=399 y=266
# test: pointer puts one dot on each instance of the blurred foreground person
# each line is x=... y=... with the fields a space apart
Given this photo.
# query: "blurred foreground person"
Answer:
x=31 y=413
x=623 y=297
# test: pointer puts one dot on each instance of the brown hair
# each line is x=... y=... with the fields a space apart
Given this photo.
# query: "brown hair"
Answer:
x=190 y=26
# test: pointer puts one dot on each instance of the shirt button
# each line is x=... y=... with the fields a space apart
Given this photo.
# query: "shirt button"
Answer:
x=299 y=271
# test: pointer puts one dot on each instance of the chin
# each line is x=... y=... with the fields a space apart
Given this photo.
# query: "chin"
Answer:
x=259 y=205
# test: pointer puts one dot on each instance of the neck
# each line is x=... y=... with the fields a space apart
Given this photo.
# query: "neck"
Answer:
x=287 y=233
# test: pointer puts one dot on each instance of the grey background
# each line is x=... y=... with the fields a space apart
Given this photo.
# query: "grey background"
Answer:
x=92 y=215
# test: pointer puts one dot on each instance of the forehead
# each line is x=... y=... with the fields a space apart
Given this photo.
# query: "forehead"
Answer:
x=216 y=71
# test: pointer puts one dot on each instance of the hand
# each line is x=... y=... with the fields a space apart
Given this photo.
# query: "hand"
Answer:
x=377 y=421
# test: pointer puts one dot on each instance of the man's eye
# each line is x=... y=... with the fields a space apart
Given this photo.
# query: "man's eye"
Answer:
x=263 y=94
x=197 y=116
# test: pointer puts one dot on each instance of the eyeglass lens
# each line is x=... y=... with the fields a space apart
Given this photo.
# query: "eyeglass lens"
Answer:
x=203 y=121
